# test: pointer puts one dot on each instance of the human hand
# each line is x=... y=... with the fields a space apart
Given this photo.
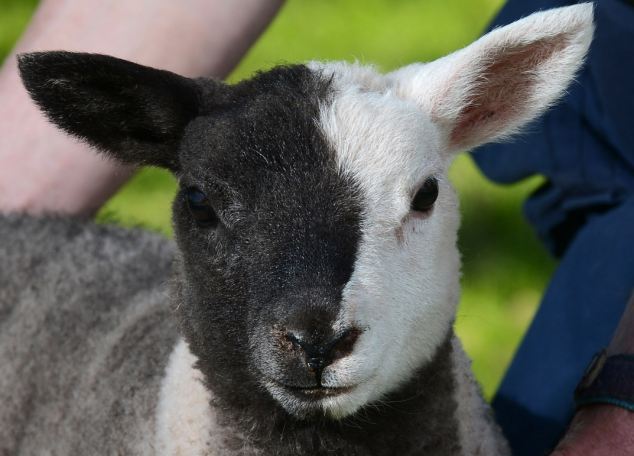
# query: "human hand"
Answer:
x=599 y=430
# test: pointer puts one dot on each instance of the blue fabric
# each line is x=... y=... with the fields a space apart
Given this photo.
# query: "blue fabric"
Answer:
x=578 y=315
x=585 y=214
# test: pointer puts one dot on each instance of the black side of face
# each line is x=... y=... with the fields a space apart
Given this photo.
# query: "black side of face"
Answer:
x=285 y=244
x=285 y=241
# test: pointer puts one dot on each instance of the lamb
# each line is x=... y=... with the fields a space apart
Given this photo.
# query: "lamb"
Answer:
x=307 y=304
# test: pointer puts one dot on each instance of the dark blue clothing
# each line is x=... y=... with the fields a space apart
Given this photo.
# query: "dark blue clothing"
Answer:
x=577 y=317
x=584 y=213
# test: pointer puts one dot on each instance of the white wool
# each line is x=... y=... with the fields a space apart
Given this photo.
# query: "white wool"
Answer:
x=184 y=417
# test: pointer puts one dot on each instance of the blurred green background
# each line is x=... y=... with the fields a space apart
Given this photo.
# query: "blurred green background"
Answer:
x=505 y=268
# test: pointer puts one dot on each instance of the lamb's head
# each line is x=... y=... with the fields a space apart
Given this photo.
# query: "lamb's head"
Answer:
x=316 y=226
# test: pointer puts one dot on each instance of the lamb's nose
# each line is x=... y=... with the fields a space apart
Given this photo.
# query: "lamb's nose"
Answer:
x=318 y=355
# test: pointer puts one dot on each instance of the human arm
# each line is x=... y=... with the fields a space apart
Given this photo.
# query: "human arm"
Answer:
x=44 y=170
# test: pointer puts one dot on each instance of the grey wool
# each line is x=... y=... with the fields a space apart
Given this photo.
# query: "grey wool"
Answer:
x=85 y=332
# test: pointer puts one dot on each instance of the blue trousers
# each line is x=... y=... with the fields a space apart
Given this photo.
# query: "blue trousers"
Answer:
x=584 y=214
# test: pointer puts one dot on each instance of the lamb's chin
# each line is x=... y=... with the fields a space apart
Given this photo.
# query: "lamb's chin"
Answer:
x=334 y=403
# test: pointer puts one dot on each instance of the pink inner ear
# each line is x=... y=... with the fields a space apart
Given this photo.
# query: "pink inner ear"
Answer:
x=502 y=89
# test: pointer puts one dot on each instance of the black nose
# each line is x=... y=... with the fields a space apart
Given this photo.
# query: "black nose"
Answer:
x=319 y=354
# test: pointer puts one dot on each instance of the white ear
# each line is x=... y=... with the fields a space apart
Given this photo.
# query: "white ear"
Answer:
x=491 y=88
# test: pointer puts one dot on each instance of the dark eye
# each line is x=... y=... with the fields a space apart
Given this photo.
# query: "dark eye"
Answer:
x=200 y=208
x=426 y=196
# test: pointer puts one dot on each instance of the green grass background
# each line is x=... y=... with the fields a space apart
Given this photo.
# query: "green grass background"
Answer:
x=505 y=268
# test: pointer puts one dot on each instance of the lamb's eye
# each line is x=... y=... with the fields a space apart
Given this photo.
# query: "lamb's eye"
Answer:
x=200 y=208
x=426 y=196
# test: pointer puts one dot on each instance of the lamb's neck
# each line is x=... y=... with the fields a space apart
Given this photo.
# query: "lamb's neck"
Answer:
x=434 y=413
x=478 y=432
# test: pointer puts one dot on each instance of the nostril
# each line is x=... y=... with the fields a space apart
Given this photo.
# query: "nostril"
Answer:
x=314 y=363
x=318 y=355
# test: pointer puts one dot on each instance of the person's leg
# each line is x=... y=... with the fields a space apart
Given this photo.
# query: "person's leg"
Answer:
x=578 y=316
x=41 y=169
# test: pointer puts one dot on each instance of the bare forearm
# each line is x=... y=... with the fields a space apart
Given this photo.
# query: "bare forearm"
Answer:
x=44 y=170
x=192 y=37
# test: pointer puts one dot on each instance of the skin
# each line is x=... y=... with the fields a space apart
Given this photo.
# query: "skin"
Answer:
x=604 y=430
x=193 y=38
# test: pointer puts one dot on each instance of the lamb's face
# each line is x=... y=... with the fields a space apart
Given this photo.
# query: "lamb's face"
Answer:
x=315 y=258
x=309 y=267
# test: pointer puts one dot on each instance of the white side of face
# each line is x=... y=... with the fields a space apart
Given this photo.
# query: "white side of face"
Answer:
x=404 y=288
x=392 y=132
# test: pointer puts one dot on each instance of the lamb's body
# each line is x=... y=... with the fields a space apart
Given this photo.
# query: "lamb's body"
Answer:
x=90 y=306
x=85 y=333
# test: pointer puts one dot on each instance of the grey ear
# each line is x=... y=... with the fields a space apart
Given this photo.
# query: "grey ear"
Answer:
x=134 y=113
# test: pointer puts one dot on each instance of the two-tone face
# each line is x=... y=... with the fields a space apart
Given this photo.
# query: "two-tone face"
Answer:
x=317 y=212
x=316 y=226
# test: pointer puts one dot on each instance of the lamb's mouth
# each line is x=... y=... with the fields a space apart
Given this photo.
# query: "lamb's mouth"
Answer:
x=313 y=393
x=317 y=392
x=317 y=401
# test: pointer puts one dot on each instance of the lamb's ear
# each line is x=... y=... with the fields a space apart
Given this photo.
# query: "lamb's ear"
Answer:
x=134 y=113
x=491 y=88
